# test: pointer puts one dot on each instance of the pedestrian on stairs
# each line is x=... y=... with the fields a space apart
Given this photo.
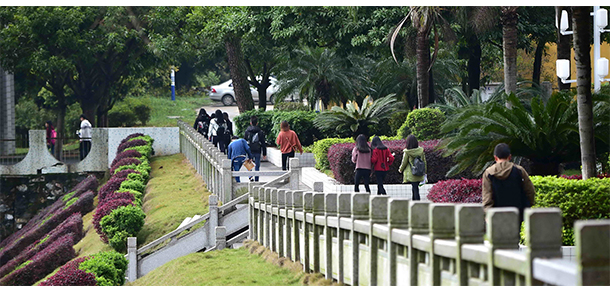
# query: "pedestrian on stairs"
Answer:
x=256 y=140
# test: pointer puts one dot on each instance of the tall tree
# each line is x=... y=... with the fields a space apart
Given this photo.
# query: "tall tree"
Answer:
x=509 y=19
x=581 y=23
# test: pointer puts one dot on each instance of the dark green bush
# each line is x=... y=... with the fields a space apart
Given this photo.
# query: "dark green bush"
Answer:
x=121 y=117
x=108 y=267
x=129 y=111
x=122 y=222
x=425 y=123
x=577 y=199
x=300 y=122
x=142 y=112
x=320 y=150
x=290 y=106
x=396 y=121
x=403 y=131
x=264 y=122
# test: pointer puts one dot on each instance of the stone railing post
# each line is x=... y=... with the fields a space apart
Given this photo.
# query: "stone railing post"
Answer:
x=378 y=214
x=502 y=233
x=289 y=226
x=318 y=186
x=274 y=221
x=227 y=180
x=297 y=203
x=360 y=211
x=132 y=257
x=307 y=208
x=592 y=241
x=295 y=173
x=542 y=237
x=344 y=210
x=442 y=226
x=330 y=210
x=252 y=212
x=221 y=237
x=317 y=210
x=398 y=217
x=268 y=218
x=469 y=229
x=261 y=215
x=281 y=222
x=418 y=224
x=213 y=221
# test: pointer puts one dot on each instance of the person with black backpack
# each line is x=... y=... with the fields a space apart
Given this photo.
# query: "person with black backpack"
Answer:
x=413 y=166
x=218 y=131
x=256 y=140
x=202 y=123
x=506 y=184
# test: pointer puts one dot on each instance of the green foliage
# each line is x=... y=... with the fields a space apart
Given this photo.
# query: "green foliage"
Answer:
x=397 y=120
x=20 y=266
x=145 y=150
x=301 y=122
x=68 y=196
x=404 y=130
x=136 y=177
x=122 y=222
x=208 y=79
x=577 y=199
x=46 y=219
x=69 y=203
x=320 y=150
x=108 y=267
x=43 y=240
x=128 y=112
x=425 y=123
x=242 y=122
x=135 y=185
x=146 y=138
x=290 y=106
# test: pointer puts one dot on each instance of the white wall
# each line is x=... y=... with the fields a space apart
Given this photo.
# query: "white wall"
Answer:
x=167 y=139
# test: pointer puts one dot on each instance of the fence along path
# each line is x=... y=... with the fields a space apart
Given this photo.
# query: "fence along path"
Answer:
x=358 y=239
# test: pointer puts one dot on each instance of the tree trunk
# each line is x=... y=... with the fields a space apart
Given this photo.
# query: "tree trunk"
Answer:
x=243 y=96
x=431 y=92
x=423 y=62
x=538 y=62
x=563 y=46
x=509 y=20
x=474 y=63
x=89 y=110
x=581 y=23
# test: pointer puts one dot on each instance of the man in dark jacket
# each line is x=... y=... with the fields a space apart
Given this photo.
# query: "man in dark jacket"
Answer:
x=506 y=184
x=256 y=140
x=237 y=152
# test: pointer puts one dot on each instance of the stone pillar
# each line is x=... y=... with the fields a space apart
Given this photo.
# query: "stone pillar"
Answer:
x=274 y=220
x=307 y=208
x=442 y=226
x=289 y=227
x=344 y=210
x=295 y=173
x=318 y=186
x=268 y=220
x=378 y=214
x=261 y=216
x=132 y=258
x=281 y=222
x=221 y=237
x=418 y=224
x=398 y=217
x=360 y=211
x=330 y=210
x=502 y=233
x=592 y=252
x=7 y=113
x=297 y=203
x=227 y=181
x=542 y=237
x=317 y=210
x=252 y=213
x=213 y=221
x=469 y=229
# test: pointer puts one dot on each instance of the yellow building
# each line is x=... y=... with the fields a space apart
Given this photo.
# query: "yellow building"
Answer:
x=548 y=63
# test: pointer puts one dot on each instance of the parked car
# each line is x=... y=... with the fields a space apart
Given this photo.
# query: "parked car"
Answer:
x=224 y=92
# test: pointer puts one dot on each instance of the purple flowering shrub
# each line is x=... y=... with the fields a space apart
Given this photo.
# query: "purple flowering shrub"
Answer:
x=111 y=185
x=456 y=191
x=125 y=154
x=129 y=144
x=125 y=172
x=43 y=263
x=105 y=209
x=340 y=159
x=70 y=275
x=131 y=136
x=579 y=176
x=73 y=225
x=125 y=161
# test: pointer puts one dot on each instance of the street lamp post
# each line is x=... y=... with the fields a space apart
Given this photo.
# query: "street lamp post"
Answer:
x=173 y=75
x=600 y=21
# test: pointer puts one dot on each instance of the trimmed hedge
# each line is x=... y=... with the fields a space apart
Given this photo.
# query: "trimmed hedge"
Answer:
x=121 y=223
x=131 y=136
x=105 y=208
x=290 y=106
x=242 y=121
x=320 y=150
x=125 y=154
x=425 y=123
x=43 y=263
x=456 y=191
x=70 y=275
x=125 y=161
x=101 y=269
x=301 y=122
x=130 y=144
x=112 y=185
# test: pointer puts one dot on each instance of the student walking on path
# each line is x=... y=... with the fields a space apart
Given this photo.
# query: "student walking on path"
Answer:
x=85 y=137
x=217 y=130
x=361 y=155
x=506 y=184
x=202 y=123
x=382 y=159
x=413 y=166
x=237 y=152
x=256 y=140
x=289 y=142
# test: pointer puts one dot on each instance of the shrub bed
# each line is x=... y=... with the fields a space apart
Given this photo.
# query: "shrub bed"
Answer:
x=320 y=150
x=301 y=122
x=70 y=275
x=125 y=161
x=105 y=208
x=101 y=269
x=125 y=154
x=456 y=191
x=242 y=121
x=129 y=144
x=425 y=123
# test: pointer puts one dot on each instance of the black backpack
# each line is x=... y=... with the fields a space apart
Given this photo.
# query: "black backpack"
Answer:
x=254 y=142
x=418 y=167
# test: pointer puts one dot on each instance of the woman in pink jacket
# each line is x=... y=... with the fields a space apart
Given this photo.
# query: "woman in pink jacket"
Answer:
x=361 y=156
x=381 y=160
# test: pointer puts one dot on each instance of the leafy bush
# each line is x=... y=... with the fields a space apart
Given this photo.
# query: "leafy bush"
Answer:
x=70 y=275
x=108 y=267
x=404 y=130
x=129 y=144
x=129 y=112
x=104 y=209
x=301 y=122
x=125 y=154
x=43 y=263
x=121 y=223
x=264 y=122
x=73 y=225
x=320 y=150
x=142 y=113
x=135 y=185
x=145 y=150
x=130 y=137
x=125 y=173
x=124 y=196
x=577 y=199
x=397 y=120
x=125 y=161
x=579 y=176
x=113 y=184
x=146 y=138
x=290 y=106
x=456 y=191
x=425 y=123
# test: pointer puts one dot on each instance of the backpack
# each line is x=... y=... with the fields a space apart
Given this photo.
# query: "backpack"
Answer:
x=418 y=167
x=254 y=142
x=202 y=127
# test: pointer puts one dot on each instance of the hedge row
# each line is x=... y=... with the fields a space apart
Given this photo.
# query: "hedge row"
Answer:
x=101 y=269
x=578 y=199
x=339 y=156
x=119 y=211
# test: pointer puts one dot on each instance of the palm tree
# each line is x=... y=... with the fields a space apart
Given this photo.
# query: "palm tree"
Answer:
x=509 y=19
x=353 y=120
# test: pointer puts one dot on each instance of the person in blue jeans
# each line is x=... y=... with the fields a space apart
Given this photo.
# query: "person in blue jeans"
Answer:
x=256 y=140
x=237 y=151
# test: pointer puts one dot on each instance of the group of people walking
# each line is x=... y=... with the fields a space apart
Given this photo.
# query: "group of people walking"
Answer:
x=217 y=128
x=377 y=157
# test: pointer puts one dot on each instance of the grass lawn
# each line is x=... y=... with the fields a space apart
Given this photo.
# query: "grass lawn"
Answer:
x=183 y=106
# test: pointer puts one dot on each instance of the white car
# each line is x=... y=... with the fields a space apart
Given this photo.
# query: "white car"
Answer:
x=224 y=92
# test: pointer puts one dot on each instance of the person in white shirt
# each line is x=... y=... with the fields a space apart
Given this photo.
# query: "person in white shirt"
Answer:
x=85 y=137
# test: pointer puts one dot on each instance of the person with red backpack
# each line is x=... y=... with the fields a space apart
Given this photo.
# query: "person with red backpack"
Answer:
x=382 y=159
x=51 y=136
